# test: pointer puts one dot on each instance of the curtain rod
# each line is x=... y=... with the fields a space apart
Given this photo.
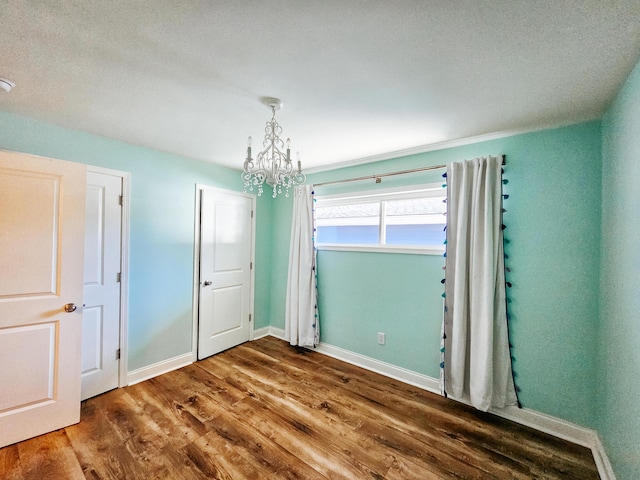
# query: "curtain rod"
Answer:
x=378 y=178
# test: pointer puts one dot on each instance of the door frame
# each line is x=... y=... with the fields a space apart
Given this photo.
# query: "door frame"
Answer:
x=123 y=367
x=196 y=260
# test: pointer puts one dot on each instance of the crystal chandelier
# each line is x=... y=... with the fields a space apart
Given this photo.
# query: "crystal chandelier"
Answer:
x=272 y=164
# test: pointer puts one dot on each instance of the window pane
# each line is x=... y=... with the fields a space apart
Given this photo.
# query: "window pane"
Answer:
x=355 y=224
x=348 y=235
x=416 y=221
x=432 y=234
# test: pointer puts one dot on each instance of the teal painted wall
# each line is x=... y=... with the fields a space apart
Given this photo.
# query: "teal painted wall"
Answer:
x=162 y=229
x=553 y=222
x=619 y=400
x=398 y=294
x=262 y=279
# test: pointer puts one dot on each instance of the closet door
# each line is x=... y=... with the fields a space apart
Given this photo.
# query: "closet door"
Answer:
x=225 y=270
x=102 y=284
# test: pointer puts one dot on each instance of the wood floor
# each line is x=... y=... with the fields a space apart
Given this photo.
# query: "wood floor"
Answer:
x=266 y=410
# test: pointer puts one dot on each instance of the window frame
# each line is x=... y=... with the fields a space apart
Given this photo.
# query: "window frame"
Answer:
x=397 y=193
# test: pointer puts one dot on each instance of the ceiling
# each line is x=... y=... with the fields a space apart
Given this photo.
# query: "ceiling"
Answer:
x=359 y=79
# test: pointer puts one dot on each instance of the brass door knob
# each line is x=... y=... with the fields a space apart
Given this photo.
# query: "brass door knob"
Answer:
x=70 y=307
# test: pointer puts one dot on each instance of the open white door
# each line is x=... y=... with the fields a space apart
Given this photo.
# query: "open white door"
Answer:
x=42 y=204
x=226 y=251
x=102 y=276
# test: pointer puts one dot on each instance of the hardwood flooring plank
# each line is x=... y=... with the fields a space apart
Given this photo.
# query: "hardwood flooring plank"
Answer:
x=49 y=457
x=476 y=430
x=215 y=458
x=191 y=382
x=139 y=442
x=98 y=446
x=179 y=425
x=180 y=465
x=283 y=410
x=238 y=363
x=405 y=469
x=468 y=424
x=241 y=362
x=297 y=429
x=325 y=451
x=362 y=406
x=302 y=392
x=266 y=410
x=258 y=450
x=520 y=452
x=436 y=456
x=142 y=437
x=10 y=463
x=536 y=445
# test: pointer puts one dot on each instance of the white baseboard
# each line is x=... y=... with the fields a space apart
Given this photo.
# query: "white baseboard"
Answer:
x=165 y=366
x=261 y=332
x=266 y=331
x=546 y=423
x=398 y=373
x=558 y=427
x=602 y=461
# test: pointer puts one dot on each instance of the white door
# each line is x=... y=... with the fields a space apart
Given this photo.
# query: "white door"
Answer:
x=102 y=260
x=42 y=203
x=226 y=251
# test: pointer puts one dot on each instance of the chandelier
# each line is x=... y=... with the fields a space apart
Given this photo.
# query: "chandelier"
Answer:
x=273 y=163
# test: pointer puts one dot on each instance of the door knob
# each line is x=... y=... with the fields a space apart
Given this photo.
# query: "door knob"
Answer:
x=207 y=283
x=70 y=307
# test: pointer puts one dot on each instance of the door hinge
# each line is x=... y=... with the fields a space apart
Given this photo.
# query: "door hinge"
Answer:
x=118 y=277
x=251 y=213
x=250 y=265
x=120 y=200
x=118 y=354
x=249 y=317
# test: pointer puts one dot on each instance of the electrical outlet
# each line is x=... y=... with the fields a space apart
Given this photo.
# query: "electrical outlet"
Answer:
x=381 y=338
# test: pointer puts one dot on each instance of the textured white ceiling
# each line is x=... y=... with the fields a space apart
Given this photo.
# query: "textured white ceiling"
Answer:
x=358 y=78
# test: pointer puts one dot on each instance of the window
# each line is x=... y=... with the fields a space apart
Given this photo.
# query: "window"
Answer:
x=410 y=220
